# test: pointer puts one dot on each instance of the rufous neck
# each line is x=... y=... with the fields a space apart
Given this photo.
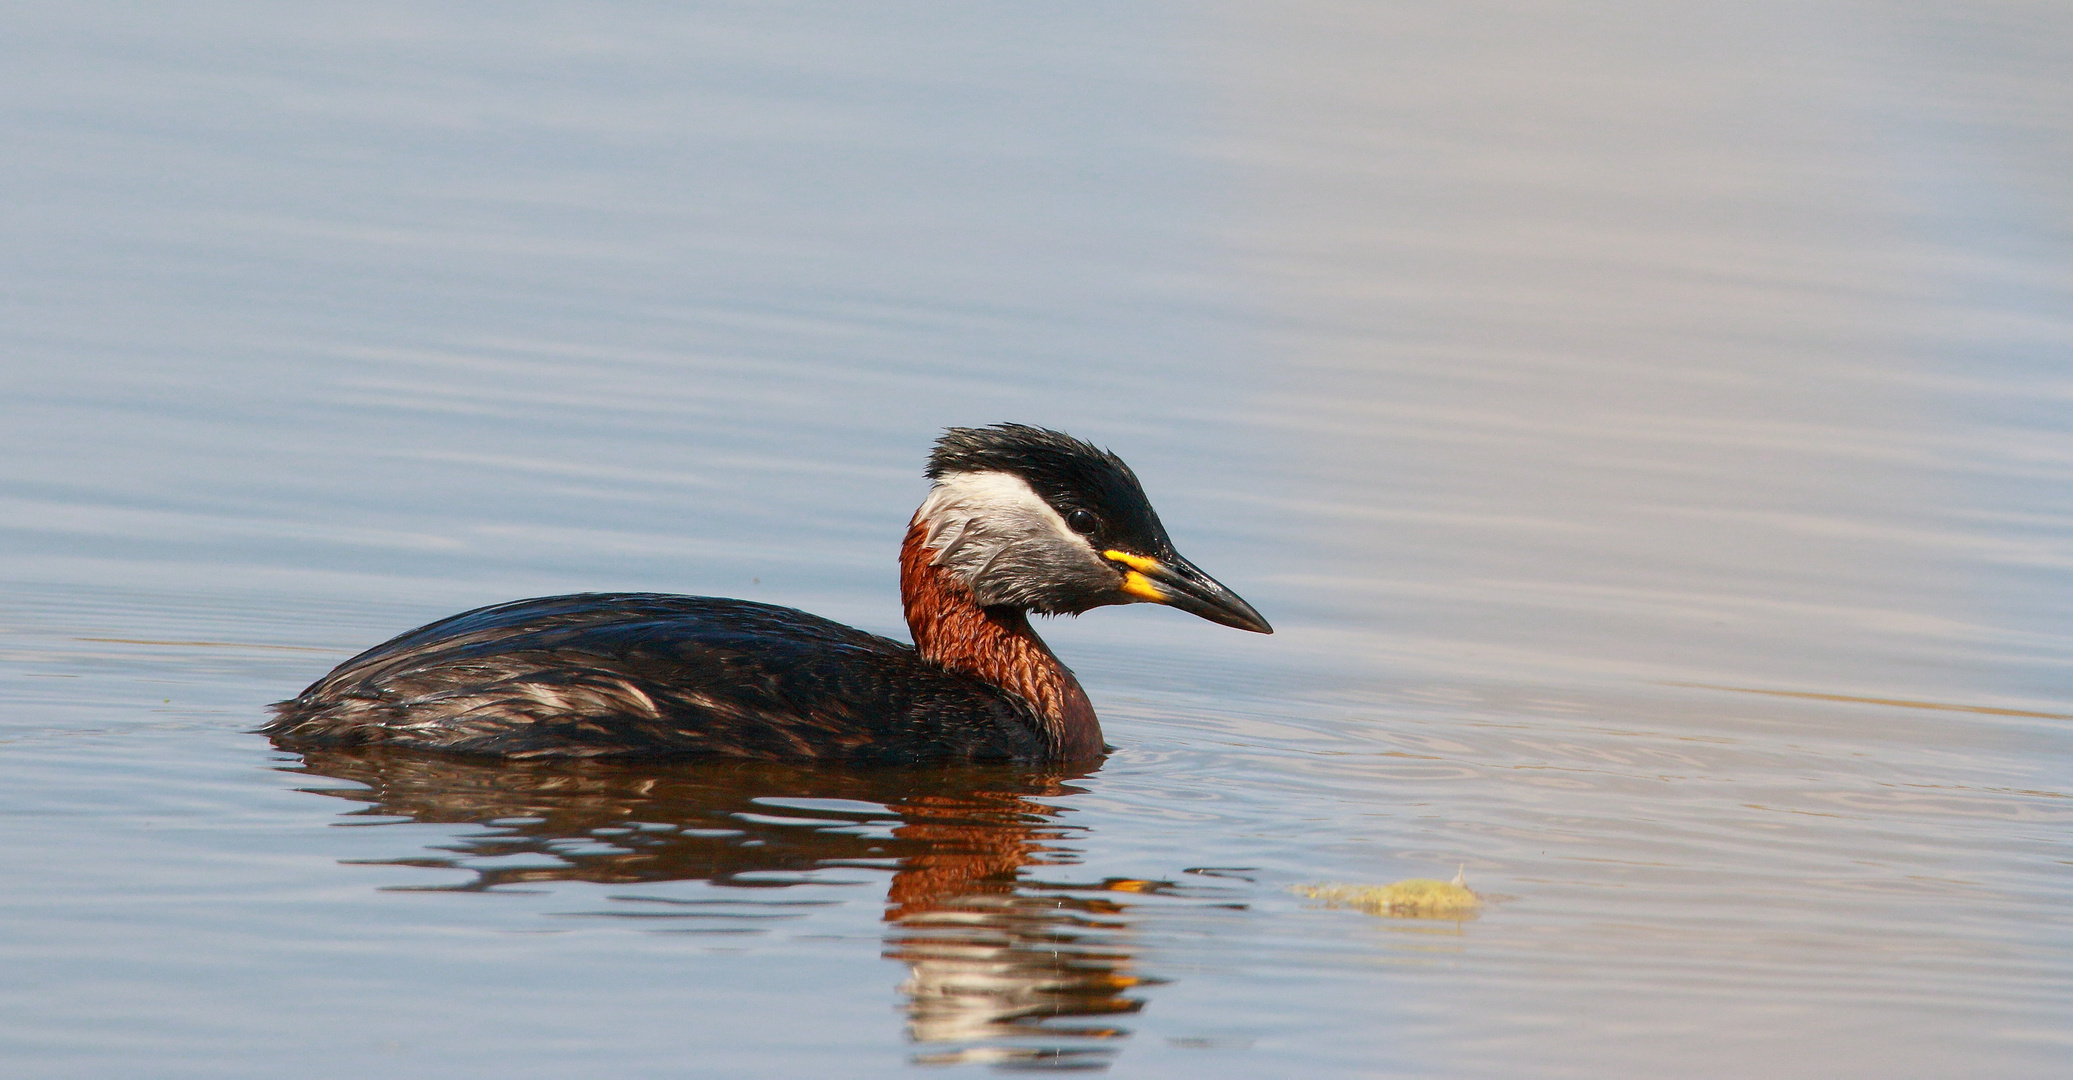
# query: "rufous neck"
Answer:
x=995 y=645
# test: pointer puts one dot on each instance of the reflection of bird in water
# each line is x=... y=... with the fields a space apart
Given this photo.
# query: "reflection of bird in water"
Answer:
x=992 y=956
x=992 y=967
x=1020 y=519
x=995 y=959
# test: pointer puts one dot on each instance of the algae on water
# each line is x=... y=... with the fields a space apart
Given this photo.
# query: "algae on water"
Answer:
x=1414 y=898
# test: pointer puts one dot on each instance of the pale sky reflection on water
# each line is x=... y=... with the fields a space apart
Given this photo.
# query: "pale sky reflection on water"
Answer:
x=1629 y=418
x=1634 y=342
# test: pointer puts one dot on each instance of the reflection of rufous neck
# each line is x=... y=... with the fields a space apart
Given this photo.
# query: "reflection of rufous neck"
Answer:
x=971 y=847
x=994 y=645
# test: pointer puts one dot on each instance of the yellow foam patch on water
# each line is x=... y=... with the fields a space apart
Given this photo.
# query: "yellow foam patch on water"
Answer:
x=1413 y=898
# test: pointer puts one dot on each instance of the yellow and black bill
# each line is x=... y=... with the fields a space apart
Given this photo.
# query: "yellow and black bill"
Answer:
x=1176 y=582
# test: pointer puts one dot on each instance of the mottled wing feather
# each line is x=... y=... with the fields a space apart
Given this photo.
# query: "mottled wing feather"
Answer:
x=599 y=674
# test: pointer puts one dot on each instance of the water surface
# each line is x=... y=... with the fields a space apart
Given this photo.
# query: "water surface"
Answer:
x=1646 y=430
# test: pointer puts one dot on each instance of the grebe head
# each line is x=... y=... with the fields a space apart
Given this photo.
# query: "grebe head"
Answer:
x=1034 y=519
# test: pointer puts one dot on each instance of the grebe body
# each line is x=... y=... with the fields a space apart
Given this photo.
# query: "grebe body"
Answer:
x=629 y=673
x=1019 y=519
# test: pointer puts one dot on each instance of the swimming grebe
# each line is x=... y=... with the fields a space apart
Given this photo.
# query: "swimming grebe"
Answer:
x=1019 y=519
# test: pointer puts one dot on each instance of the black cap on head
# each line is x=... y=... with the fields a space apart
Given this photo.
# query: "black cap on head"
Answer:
x=1063 y=471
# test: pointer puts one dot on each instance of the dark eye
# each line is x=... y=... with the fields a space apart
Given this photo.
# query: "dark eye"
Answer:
x=1082 y=521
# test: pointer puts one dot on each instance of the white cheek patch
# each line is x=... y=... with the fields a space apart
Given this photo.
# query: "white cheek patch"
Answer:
x=994 y=532
x=984 y=508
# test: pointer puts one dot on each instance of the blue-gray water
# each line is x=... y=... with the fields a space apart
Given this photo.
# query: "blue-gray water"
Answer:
x=1552 y=378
